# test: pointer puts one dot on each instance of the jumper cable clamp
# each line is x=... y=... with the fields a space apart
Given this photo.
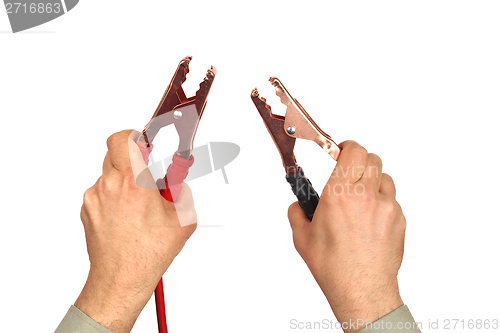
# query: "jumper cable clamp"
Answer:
x=296 y=124
x=185 y=114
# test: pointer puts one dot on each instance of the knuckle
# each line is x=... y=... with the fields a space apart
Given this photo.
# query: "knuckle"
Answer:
x=116 y=139
x=391 y=211
x=348 y=144
x=299 y=244
x=111 y=141
x=83 y=215
x=401 y=217
x=108 y=186
x=387 y=178
x=358 y=150
x=88 y=195
x=375 y=158
x=403 y=223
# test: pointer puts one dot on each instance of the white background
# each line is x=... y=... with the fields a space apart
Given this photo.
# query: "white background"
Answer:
x=415 y=82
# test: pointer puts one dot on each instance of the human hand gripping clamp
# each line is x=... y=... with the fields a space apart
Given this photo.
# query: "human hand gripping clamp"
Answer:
x=185 y=113
x=296 y=124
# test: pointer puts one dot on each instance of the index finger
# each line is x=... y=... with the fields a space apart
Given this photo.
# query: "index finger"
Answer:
x=351 y=162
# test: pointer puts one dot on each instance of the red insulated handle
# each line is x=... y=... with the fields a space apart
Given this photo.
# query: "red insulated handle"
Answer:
x=176 y=173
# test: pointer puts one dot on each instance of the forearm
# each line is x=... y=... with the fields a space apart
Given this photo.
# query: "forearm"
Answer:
x=113 y=304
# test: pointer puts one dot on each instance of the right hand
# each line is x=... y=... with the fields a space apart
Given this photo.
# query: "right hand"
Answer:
x=354 y=245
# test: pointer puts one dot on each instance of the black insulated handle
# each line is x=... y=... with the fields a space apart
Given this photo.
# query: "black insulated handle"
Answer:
x=304 y=191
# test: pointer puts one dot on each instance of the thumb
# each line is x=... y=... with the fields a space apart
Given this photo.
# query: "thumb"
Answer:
x=301 y=226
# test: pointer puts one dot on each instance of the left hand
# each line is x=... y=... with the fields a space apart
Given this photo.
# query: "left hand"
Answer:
x=133 y=235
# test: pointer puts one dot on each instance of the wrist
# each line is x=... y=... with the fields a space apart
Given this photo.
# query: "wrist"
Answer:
x=112 y=303
x=361 y=308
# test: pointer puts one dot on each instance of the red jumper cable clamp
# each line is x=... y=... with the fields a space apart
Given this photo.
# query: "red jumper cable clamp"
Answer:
x=185 y=113
x=296 y=124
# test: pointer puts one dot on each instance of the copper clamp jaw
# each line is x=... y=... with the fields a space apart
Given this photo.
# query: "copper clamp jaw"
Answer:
x=296 y=124
x=175 y=108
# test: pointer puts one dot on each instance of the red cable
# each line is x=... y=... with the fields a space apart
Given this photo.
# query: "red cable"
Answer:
x=160 y=308
x=176 y=173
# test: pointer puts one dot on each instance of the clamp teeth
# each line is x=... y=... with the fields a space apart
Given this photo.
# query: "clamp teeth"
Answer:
x=186 y=60
x=255 y=93
x=211 y=73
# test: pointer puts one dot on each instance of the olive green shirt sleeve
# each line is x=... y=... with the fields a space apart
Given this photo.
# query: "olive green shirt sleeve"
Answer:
x=76 y=321
x=399 y=320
